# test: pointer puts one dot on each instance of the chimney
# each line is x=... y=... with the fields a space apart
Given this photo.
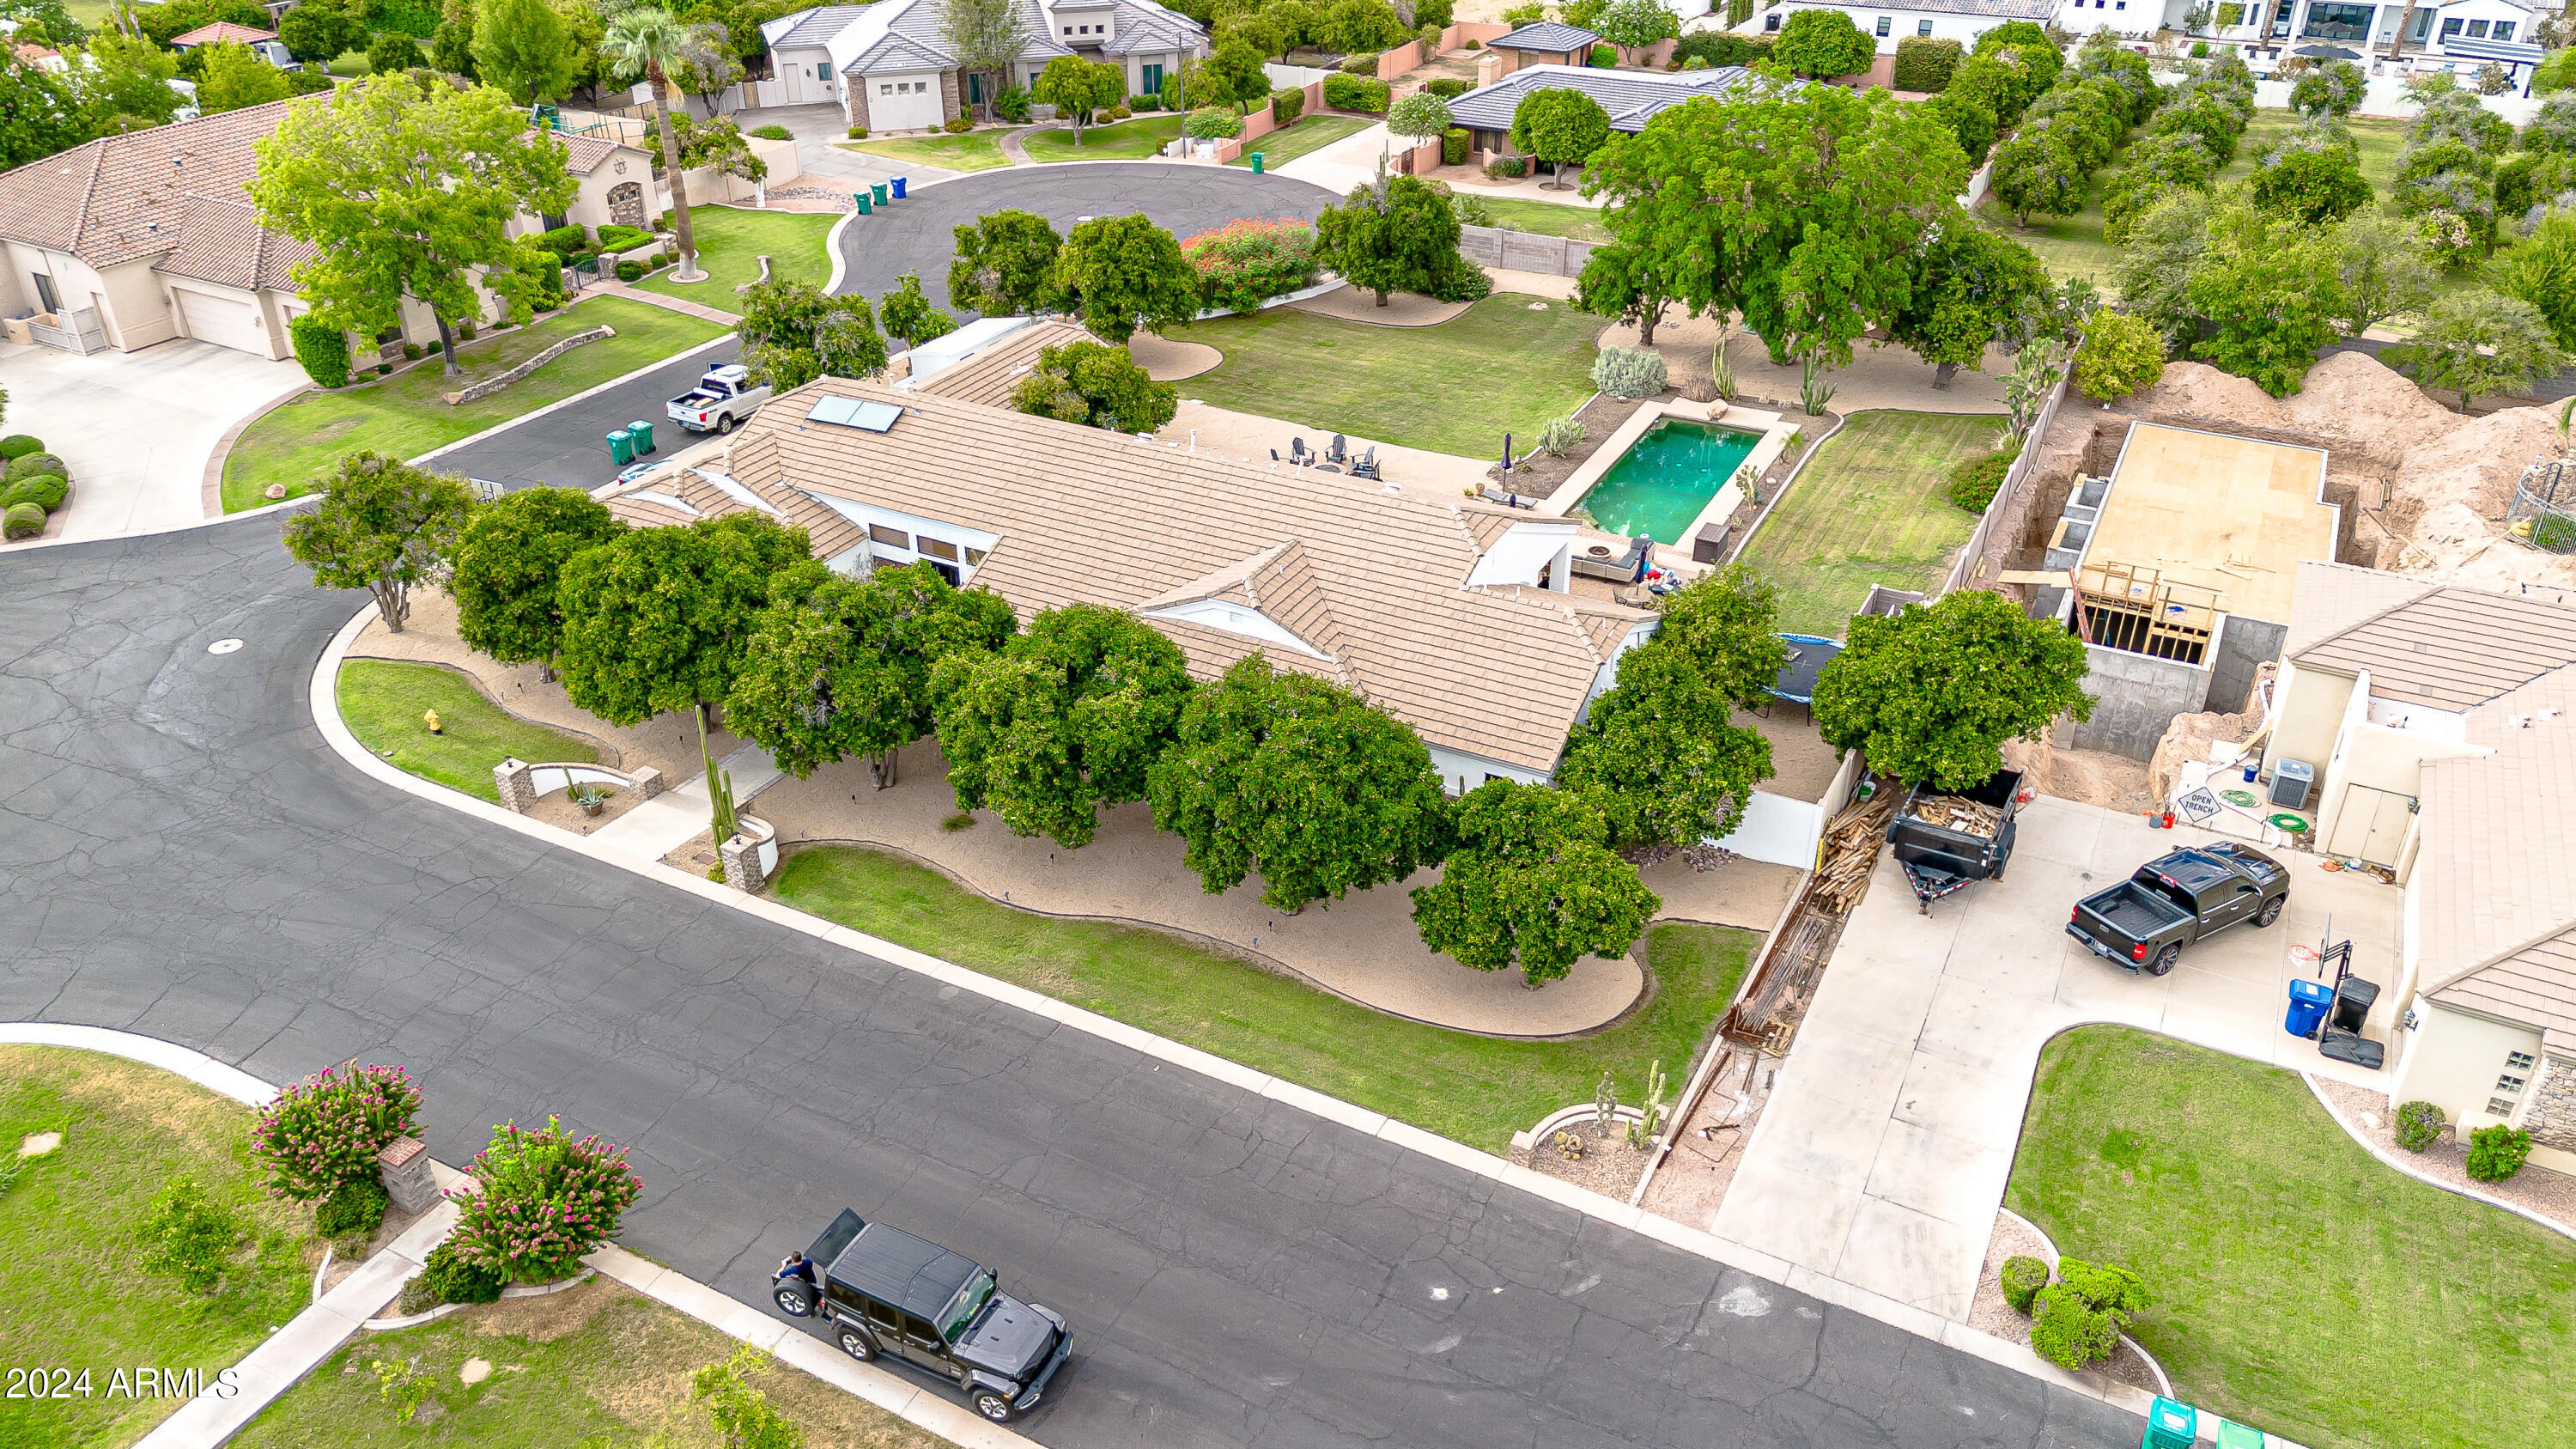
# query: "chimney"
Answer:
x=1489 y=68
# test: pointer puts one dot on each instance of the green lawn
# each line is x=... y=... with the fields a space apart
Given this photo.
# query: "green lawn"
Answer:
x=1872 y=507
x=1475 y=1089
x=75 y=1297
x=2301 y=1286
x=1121 y=141
x=973 y=151
x=595 y=1368
x=403 y=415
x=1308 y=135
x=731 y=243
x=1455 y=388
x=1547 y=218
x=383 y=700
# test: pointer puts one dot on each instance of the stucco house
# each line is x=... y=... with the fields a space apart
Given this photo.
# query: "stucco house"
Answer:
x=263 y=43
x=1959 y=20
x=1631 y=97
x=2442 y=724
x=136 y=239
x=890 y=68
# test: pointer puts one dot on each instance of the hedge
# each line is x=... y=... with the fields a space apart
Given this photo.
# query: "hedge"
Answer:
x=1453 y=146
x=322 y=350
x=1973 y=483
x=1924 y=62
x=34 y=463
x=415 y=18
x=1350 y=93
x=45 y=490
x=1287 y=103
x=22 y=520
x=19 y=445
x=1449 y=88
x=1363 y=64
x=565 y=238
x=1720 y=47
x=1605 y=56
x=613 y=238
x=2022 y=1278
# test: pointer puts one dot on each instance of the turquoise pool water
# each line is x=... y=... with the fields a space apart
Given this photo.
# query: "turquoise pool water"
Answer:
x=1666 y=479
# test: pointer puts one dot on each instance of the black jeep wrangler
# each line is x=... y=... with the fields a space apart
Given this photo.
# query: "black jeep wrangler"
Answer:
x=888 y=1292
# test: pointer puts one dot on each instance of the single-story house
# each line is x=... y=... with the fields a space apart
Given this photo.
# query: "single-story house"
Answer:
x=1546 y=42
x=1632 y=97
x=1959 y=20
x=2441 y=722
x=263 y=43
x=140 y=238
x=890 y=67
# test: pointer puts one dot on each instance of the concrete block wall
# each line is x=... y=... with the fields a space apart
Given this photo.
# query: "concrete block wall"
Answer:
x=1521 y=251
x=2135 y=700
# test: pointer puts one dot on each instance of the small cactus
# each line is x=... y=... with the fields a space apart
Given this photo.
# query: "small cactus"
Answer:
x=1650 y=1122
x=1605 y=1102
x=1567 y=1145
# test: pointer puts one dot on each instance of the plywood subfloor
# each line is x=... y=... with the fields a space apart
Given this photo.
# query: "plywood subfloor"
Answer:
x=2231 y=515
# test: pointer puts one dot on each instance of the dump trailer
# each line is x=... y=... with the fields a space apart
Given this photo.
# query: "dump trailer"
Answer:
x=1947 y=839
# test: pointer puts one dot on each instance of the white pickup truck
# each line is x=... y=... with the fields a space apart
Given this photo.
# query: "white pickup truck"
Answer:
x=722 y=398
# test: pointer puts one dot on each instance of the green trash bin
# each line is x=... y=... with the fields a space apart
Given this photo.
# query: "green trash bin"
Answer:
x=1256 y=163
x=878 y=193
x=642 y=434
x=861 y=198
x=2170 y=1425
x=621 y=446
x=2237 y=1436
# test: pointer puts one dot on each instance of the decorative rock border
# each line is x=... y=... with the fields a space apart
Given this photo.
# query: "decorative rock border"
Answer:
x=489 y=386
x=1553 y=1121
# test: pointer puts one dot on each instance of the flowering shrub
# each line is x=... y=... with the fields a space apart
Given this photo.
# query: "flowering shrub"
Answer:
x=545 y=1200
x=1244 y=263
x=327 y=1129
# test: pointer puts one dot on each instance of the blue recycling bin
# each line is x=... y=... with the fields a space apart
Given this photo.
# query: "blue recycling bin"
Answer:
x=898 y=184
x=2309 y=1001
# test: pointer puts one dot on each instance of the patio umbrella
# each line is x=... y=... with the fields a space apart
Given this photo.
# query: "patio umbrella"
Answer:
x=2327 y=52
x=1507 y=452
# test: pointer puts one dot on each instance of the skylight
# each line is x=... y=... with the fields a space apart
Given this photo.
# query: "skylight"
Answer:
x=850 y=412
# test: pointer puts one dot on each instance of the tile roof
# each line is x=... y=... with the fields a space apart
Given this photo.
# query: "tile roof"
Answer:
x=2495 y=877
x=127 y=197
x=223 y=32
x=816 y=26
x=2450 y=648
x=222 y=241
x=1374 y=581
x=1549 y=36
x=2332 y=597
x=1991 y=9
x=988 y=377
x=585 y=154
x=1632 y=97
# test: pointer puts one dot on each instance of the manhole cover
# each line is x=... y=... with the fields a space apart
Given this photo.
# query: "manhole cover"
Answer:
x=223 y=646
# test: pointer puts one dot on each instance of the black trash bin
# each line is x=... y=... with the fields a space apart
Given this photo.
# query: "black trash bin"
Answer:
x=2353 y=997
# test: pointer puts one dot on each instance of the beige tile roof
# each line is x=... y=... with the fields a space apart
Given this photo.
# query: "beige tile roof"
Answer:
x=2333 y=597
x=1373 y=580
x=2450 y=648
x=2495 y=879
x=222 y=241
x=223 y=32
x=127 y=197
x=586 y=154
x=988 y=377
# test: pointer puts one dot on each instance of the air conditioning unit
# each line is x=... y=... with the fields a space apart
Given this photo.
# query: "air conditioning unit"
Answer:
x=2290 y=782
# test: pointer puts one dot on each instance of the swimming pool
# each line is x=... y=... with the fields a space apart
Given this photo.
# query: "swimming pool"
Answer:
x=1666 y=479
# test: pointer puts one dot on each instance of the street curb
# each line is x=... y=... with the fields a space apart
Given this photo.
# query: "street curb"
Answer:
x=210 y=489
x=558 y=405
x=1921 y=1322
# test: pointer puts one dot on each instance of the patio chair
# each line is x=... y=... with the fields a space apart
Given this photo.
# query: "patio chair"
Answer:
x=1340 y=451
x=1297 y=450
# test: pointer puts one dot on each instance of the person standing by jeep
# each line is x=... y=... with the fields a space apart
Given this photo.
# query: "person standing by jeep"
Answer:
x=800 y=1269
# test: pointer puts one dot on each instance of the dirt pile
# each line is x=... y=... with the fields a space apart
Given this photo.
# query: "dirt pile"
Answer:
x=2191 y=736
x=2088 y=777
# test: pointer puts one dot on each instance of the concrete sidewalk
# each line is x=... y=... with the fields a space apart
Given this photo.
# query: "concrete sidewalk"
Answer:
x=668 y=821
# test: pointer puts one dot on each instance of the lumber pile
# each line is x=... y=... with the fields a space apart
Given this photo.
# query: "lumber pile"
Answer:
x=1957 y=812
x=1851 y=849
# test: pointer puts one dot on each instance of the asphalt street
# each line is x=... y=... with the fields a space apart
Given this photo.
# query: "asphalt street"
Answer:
x=180 y=855
x=569 y=446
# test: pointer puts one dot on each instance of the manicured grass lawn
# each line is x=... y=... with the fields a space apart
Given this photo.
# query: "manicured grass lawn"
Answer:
x=383 y=700
x=1309 y=135
x=1872 y=507
x=1546 y=218
x=1475 y=1089
x=2301 y=1287
x=403 y=416
x=1120 y=141
x=1454 y=388
x=75 y=1297
x=730 y=245
x=973 y=151
x=595 y=1367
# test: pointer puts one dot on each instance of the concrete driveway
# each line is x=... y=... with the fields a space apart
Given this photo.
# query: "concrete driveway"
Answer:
x=137 y=427
x=1883 y=1154
x=825 y=164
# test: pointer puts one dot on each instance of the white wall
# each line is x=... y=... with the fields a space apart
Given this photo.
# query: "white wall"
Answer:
x=1778 y=830
x=2454 y=1059
x=1900 y=23
x=1461 y=772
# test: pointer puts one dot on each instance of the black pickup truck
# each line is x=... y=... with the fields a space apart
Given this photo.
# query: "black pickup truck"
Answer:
x=2144 y=922
x=889 y=1294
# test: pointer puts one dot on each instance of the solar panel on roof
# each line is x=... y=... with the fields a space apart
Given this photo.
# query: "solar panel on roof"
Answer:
x=850 y=412
x=876 y=417
x=833 y=410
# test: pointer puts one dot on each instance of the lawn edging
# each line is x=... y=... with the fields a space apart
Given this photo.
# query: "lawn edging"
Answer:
x=1798 y=1278
x=2048 y=1245
x=2455 y=1189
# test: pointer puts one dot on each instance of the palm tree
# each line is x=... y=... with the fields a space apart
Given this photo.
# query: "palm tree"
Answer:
x=644 y=42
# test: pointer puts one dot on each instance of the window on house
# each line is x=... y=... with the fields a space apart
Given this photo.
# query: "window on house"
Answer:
x=2451 y=27
x=2503 y=30
x=2519 y=1061
x=894 y=537
x=2477 y=30
x=2499 y=1107
x=50 y=301
x=939 y=548
x=2509 y=1085
x=885 y=90
x=1923 y=27
x=1885 y=24
x=974 y=556
x=1153 y=79
x=823 y=70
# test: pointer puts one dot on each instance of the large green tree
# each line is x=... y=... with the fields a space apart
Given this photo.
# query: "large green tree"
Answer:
x=1633 y=25
x=2033 y=174
x=1531 y=882
x=39 y=115
x=907 y=313
x=658 y=619
x=1726 y=626
x=2474 y=340
x=1124 y=273
x=1079 y=89
x=647 y=42
x=1823 y=44
x=987 y=37
x=234 y=78
x=2155 y=268
x=2120 y=355
x=2267 y=286
x=1557 y=125
x=1391 y=235
x=509 y=563
x=794 y=332
x=1097 y=385
x=1625 y=283
x=318 y=32
x=2312 y=180
x=409 y=193
x=1658 y=758
x=1970 y=286
x=383 y=527
x=1300 y=781
x=123 y=84
x=525 y=48
x=845 y=670
x=2541 y=270
x=1068 y=717
x=1005 y=265
x=1930 y=694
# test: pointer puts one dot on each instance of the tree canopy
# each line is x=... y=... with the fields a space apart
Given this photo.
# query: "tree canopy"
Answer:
x=233 y=77
x=987 y=37
x=657 y=619
x=1970 y=286
x=2541 y=270
x=1658 y=758
x=1725 y=624
x=908 y=314
x=1633 y=25
x=1068 y=717
x=1531 y=882
x=1005 y=265
x=2120 y=354
x=1124 y=272
x=648 y=42
x=1394 y=234
x=2312 y=180
x=1097 y=385
x=382 y=527
x=1822 y=44
x=408 y=193
x=1301 y=781
x=1930 y=694
x=318 y=32
x=845 y=669
x=2475 y=340
x=509 y=563
x=794 y=332
x=1078 y=88
x=2267 y=286
x=1420 y=117
x=1557 y=125
x=525 y=48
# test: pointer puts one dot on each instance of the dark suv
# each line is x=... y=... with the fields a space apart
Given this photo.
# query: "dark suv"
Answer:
x=886 y=1292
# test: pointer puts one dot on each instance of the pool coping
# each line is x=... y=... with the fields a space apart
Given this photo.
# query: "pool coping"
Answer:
x=1721 y=506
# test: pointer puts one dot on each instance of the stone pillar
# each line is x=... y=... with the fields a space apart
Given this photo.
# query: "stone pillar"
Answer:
x=403 y=1167
x=517 y=785
x=742 y=864
x=647 y=783
x=2550 y=1115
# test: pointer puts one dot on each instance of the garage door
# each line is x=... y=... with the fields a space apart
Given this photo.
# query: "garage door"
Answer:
x=905 y=103
x=223 y=321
